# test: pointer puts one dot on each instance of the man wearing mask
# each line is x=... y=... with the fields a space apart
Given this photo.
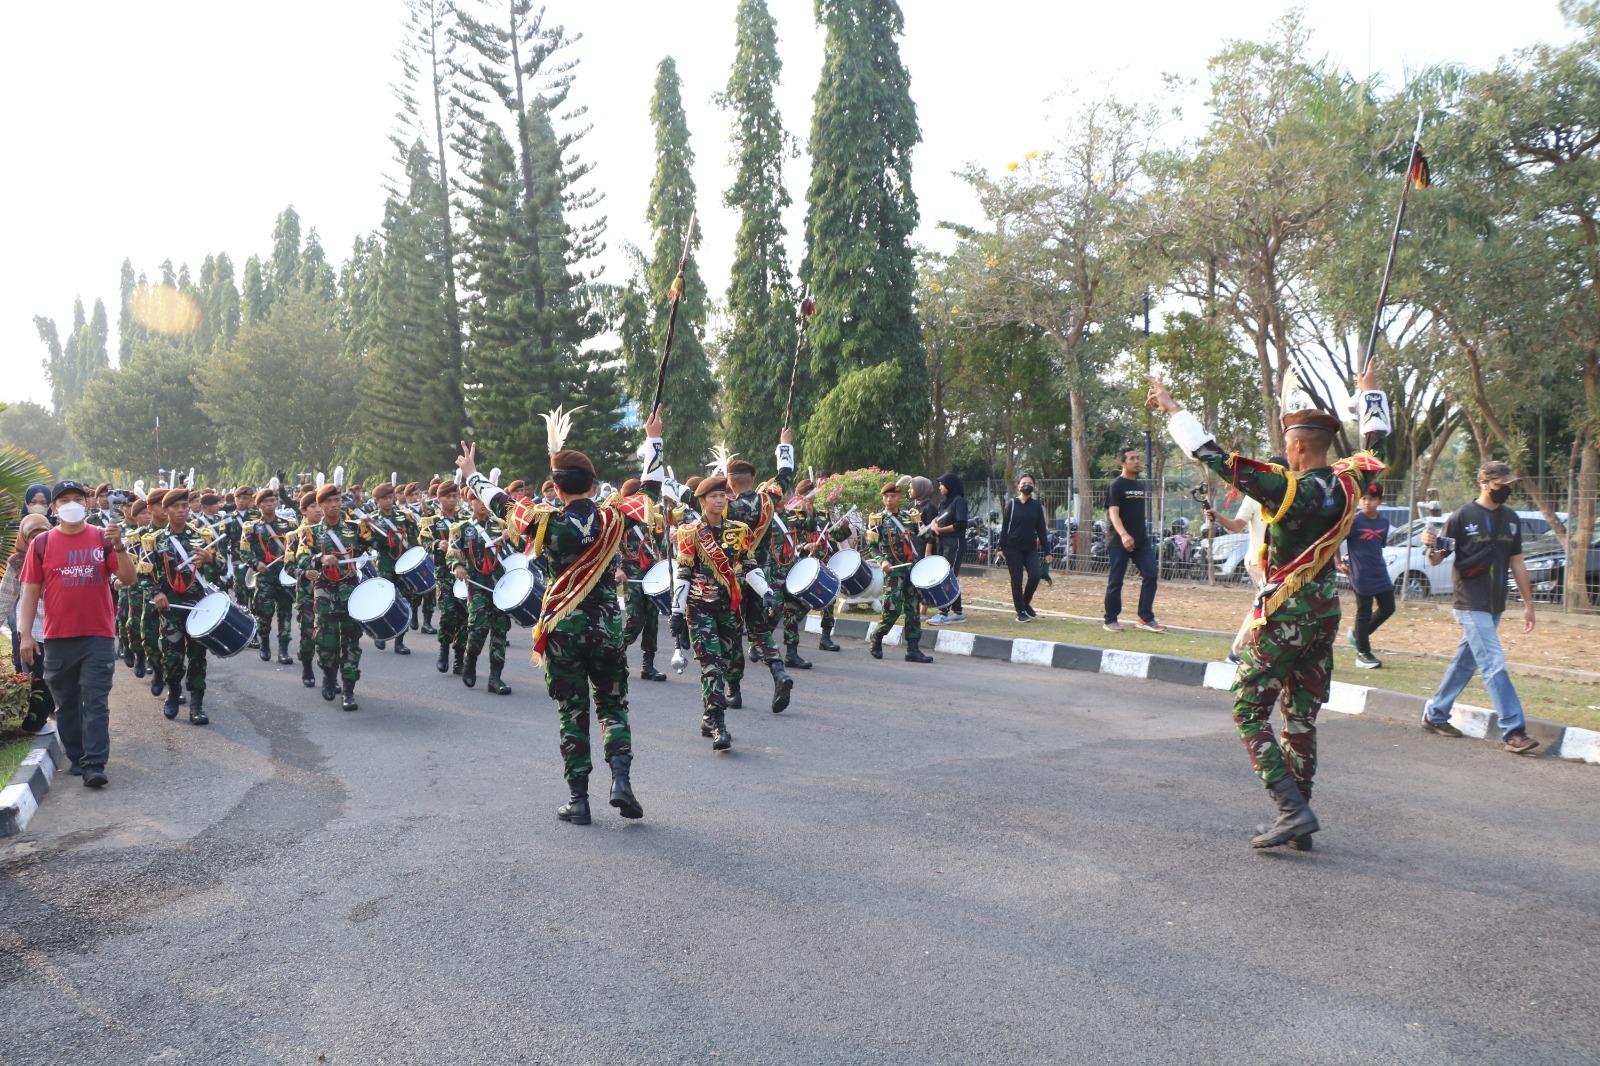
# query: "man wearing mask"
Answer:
x=1026 y=542
x=1486 y=538
x=1130 y=542
x=69 y=569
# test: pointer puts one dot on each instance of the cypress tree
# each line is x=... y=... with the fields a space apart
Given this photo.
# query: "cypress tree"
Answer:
x=759 y=343
x=690 y=392
x=127 y=328
x=222 y=304
x=254 y=300
x=284 y=272
x=860 y=214
x=316 y=276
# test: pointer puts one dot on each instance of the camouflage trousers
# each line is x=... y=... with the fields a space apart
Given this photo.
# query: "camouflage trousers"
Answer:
x=1292 y=655
x=338 y=635
x=487 y=623
x=272 y=600
x=900 y=597
x=305 y=607
x=149 y=630
x=760 y=626
x=130 y=620
x=585 y=652
x=179 y=654
x=717 y=639
x=794 y=619
x=644 y=620
x=452 y=620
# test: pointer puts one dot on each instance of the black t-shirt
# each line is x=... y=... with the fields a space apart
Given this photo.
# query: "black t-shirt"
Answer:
x=1485 y=542
x=954 y=514
x=1128 y=495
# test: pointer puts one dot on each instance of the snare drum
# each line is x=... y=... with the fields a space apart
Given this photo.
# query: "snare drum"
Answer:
x=520 y=594
x=414 y=572
x=853 y=571
x=220 y=624
x=812 y=584
x=377 y=606
x=657 y=586
x=286 y=579
x=936 y=585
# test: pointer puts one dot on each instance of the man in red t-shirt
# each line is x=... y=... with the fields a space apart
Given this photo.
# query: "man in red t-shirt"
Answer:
x=71 y=567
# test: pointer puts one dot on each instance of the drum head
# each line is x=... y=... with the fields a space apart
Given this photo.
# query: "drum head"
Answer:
x=459 y=589
x=657 y=579
x=285 y=578
x=801 y=575
x=846 y=563
x=930 y=571
x=513 y=588
x=372 y=599
x=410 y=559
x=207 y=614
x=514 y=561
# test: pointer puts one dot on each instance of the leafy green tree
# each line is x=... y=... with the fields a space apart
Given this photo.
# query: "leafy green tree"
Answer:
x=254 y=299
x=296 y=361
x=115 y=424
x=222 y=303
x=128 y=329
x=284 y=273
x=860 y=215
x=760 y=340
x=316 y=276
x=36 y=429
x=70 y=366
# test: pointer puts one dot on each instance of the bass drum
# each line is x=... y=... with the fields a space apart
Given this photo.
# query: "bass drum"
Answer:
x=377 y=606
x=935 y=584
x=220 y=624
x=859 y=580
x=520 y=594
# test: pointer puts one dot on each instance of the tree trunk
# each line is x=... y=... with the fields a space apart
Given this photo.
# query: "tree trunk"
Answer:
x=1080 y=471
x=1580 y=526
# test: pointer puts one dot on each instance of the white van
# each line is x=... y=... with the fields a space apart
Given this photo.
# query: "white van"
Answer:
x=1411 y=567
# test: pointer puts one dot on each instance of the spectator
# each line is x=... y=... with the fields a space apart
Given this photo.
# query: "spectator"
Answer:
x=1248 y=519
x=1369 y=575
x=1487 y=542
x=1025 y=541
x=923 y=499
x=37 y=501
x=70 y=568
x=1130 y=542
x=951 y=526
x=40 y=706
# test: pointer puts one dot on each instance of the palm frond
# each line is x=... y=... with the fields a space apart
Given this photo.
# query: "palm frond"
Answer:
x=18 y=470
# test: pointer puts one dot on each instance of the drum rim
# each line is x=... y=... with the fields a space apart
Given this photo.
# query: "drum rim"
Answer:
x=421 y=553
x=394 y=598
x=653 y=568
x=194 y=612
x=507 y=576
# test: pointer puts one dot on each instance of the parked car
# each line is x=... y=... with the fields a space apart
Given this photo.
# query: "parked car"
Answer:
x=1546 y=560
x=1411 y=569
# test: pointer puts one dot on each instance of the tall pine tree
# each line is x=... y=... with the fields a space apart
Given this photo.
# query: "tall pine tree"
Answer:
x=759 y=344
x=860 y=214
x=689 y=396
x=222 y=304
x=283 y=274
x=254 y=300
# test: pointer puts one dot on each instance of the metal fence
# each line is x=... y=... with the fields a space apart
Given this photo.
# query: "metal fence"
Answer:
x=1188 y=550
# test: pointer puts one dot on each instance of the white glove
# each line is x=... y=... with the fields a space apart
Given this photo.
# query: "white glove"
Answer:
x=655 y=467
x=785 y=454
x=757 y=582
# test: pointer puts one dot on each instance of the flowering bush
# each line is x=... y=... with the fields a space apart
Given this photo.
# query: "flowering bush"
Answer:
x=15 y=692
x=860 y=488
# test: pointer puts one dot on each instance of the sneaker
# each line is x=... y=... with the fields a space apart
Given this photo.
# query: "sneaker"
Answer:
x=1519 y=743
x=1233 y=657
x=937 y=620
x=1021 y=617
x=1350 y=638
x=951 y=619
x=94 y=777
x=1031 y=612
x=1444 y=729
x=1367 y=661
x=1151 y=626
x=43 y=730
x=1112 y=627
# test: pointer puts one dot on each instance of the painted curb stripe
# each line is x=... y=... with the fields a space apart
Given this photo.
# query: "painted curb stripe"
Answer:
x=1032 y=652
x=1581 y=744
x=953 y=642
x=1125 y=663
x=17 y=807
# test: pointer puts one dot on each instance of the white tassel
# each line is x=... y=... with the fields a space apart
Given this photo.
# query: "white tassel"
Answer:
x=394 y=477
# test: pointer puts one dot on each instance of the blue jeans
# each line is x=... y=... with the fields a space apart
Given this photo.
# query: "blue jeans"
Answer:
x=1479 y=652
x=1143 y=558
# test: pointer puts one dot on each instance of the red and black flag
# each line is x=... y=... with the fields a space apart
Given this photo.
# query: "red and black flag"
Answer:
x=1420 y=176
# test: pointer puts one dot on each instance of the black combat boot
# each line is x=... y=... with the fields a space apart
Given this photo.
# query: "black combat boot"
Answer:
x=455 y=667
x=158 y=681
x=400 y=645
x=721 y=739
x=125 y=651
x=469 y=673
x=349 y=701
x=782 y=684
x=414 y=620
x=254 y=642
x=877 y=645
x=266 y=650
x=914 y=653
x=495 y=685
x=792 y=657
x=197 y=711
x=427 y=621
x=308 y=676
x=826 y=643
x=380 y=644
x=138 y=664
x=622 y=797
x=576 y=809
x=1303 y=841
x=705 y=725
x=444 y=659
x=1294 y=816
x=648 y=671
x=735 y=697
x=330 y=685
x=170 y=708
x=283 y=652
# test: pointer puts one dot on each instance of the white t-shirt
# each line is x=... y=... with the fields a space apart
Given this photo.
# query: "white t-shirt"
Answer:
x=1250 y=513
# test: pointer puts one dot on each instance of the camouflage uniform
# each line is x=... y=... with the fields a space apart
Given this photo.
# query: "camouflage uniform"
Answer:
x=808 y=529
x=338 y=635
x=641 y=549
x=438 y=534
x=148 y=622
x=715 y=632
x=305 y=599
x=748 y=508
x=177 y=579
x=268 y=543
x=130 y=598
x=899 y=540
x=391 y=535
x=485 y=621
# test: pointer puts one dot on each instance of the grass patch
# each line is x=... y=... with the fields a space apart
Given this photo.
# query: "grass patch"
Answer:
x=1568 y=702
x=12 y=751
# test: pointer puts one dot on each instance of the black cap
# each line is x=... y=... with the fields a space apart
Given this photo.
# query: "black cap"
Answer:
x=65 y=487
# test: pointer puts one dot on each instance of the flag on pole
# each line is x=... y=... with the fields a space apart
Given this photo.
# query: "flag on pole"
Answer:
x=1420 y=176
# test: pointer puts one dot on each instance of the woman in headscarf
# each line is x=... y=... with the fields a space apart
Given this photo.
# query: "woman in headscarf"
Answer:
x=951 y=526
x=37 y=501
x=42 y=705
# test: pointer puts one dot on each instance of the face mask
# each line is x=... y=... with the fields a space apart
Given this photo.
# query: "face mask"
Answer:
x=1500 y=494
x=1027 y=490
x=38 y=508
x=72 y=513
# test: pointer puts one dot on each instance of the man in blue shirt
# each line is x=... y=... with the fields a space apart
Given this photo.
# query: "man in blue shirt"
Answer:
x=1369 y=575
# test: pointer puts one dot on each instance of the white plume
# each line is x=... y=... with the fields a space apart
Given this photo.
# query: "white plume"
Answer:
x=273 y=483
x=394 y=477
x=138 y=487
x=338 y=477
x=558 y=426
x=322 y=479
x=720 y=458
x=494 y=474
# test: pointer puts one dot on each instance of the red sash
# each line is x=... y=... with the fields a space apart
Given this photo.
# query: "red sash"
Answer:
x=574 y=584
x=711 y=551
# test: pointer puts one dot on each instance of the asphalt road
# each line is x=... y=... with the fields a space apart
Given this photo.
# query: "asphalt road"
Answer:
x=964 y=862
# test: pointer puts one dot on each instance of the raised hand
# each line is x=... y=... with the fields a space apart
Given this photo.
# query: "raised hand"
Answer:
x=1158 y=396
x=652 y=425
x=467 y=461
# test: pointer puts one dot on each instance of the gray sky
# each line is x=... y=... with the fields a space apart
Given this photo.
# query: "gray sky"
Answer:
x=176 y=128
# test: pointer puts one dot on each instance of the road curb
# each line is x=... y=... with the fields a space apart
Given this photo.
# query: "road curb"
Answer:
x=21 y=797
x=1480 y=723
